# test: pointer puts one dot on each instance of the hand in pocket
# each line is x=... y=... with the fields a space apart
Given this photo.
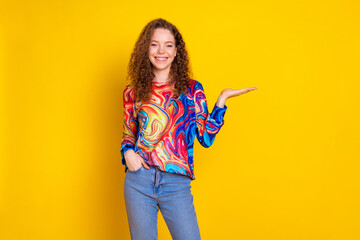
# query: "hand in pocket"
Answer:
x=134 y=160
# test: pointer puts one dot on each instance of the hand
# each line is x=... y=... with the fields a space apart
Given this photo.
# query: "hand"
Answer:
x=228 y=92
x=134 y=160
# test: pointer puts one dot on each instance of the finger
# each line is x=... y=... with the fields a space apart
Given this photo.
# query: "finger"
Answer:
x=246 y=90
x=237 y=92
x=145 y=164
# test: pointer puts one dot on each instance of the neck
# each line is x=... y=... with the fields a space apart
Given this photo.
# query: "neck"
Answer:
x=161 y=75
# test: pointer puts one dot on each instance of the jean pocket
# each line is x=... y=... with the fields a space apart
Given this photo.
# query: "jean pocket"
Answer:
x=135 y=171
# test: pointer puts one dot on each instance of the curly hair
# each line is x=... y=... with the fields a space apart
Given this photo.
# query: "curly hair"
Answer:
x=140 y=67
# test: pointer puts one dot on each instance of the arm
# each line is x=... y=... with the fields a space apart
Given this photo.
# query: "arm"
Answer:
x=130 y=125
x=207 y=124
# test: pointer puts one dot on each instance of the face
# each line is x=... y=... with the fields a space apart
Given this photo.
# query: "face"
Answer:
x=162 y=50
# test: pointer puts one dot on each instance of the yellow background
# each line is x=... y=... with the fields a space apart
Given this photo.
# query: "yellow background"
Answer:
x=284 y=166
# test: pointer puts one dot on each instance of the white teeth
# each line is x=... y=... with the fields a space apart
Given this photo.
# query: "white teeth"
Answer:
x=161 y=58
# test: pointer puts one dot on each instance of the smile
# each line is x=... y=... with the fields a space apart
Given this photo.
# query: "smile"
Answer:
x=161 y=59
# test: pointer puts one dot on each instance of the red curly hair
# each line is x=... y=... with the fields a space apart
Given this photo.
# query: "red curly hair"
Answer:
x=140 y=68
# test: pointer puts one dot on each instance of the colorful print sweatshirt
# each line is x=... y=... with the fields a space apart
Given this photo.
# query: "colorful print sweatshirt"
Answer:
x=162 y=130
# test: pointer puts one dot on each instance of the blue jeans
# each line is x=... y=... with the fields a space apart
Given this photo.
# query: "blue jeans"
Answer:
x=148 y=190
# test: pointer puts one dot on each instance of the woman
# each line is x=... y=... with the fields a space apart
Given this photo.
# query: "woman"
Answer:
x=163 y=111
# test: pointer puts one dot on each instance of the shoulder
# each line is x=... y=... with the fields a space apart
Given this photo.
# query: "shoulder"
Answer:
x=129 y=88
x=195 y=85
x=129 y=91
x=196 y=90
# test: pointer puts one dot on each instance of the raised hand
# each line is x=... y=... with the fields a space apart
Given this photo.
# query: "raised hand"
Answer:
x=229 y=93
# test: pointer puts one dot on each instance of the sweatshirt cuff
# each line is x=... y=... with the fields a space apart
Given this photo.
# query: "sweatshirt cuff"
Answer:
x=218 y=114
x=124 y=148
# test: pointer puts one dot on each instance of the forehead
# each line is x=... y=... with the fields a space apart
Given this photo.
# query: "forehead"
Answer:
x=162 y=35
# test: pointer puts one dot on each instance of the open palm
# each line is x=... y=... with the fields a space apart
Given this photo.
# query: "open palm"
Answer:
x=228 y=92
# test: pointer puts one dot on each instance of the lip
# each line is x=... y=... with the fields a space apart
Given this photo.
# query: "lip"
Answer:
x=166 y=58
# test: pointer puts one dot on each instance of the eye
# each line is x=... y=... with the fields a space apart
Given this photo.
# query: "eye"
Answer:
x=169 y=45
x=153 y=44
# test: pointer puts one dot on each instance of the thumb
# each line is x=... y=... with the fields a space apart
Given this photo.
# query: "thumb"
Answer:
x=145 y=164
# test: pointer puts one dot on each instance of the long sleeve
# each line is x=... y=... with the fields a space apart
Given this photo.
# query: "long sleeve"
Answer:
x=207 y=124
x=130 y=126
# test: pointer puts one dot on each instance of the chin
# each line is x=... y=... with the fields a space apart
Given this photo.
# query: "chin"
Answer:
x=160 y=67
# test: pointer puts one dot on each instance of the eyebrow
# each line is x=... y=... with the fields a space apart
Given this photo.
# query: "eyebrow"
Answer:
x=165 y=42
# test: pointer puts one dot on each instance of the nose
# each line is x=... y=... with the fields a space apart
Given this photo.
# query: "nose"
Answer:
x=160 y=49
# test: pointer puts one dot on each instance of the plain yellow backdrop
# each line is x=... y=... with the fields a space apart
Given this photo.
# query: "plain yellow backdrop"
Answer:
x=285 y=165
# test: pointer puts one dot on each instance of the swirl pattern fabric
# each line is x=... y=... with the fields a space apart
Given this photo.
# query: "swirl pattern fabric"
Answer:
x=162 y=130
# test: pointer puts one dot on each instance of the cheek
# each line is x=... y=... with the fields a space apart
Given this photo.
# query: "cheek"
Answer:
x=152 y=51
